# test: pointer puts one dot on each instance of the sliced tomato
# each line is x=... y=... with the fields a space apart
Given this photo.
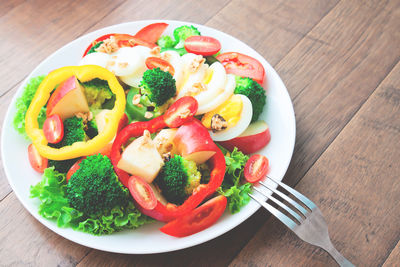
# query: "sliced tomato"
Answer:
x=53 y=129
x=73 y=169
x=198 y=219
x=37 y=162
x=142 y=193
x=156 y=62
x=181 y=111
x=202 y=45
x=256 y=168
x=152 y=32
x=242 y=65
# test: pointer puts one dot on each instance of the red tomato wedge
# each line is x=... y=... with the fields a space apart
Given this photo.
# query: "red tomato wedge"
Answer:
x=256 y=168
x=202 y=45
x=156 y=62
x=198 y=219
x=142 y=193
x=152 y=32
x=180 y=111
x=73 y=169
x=53 y=129
x=242 y=65
x=37 y=162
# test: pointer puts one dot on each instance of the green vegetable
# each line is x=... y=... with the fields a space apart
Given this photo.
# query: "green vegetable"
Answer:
x=93 y=48
x=62 y=166
x=180 y=51
x=158 y=86
x=237 y=196
x=97 y=92
x=51 y=191
x=92 y=129
x=94 y=188
x=254 y=91
x=22 y=105
x=135 y=112
x=183 y=32
x=166 y=42
x=231 y=187
x=178 y=178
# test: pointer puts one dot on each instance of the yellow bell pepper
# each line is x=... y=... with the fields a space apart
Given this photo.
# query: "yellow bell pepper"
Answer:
x=78 y=149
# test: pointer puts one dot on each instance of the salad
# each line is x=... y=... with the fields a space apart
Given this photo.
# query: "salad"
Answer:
x=146 y=127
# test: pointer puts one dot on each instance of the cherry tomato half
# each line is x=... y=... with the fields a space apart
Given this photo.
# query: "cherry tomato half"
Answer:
x=156 y=62
x=180 y=111
x=242 y=65
x=37 y=162
x=202 y=45
x=152 y=32
x=142 y=193
x=198 y=219
x=74 y=168
x=256 y=168
x=53 y=129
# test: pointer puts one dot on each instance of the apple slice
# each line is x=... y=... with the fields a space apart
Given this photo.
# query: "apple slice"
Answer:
x=141 y=158
x=255 y=137
x=68 y=99
x=194 y=143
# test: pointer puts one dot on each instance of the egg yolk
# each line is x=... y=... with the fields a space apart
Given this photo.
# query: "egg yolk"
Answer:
x=208 y=76
x=230 y=110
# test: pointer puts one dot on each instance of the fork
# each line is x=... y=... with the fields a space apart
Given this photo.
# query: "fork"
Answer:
x=309 y=224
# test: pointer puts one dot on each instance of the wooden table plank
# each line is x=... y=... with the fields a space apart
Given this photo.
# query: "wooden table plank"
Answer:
x=394 y=257
x=355 y=183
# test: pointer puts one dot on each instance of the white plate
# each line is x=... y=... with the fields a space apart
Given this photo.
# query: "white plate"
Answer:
x=148 y=239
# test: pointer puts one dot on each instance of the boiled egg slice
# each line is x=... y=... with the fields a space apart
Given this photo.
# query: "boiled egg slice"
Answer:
x=236 y=111
x=134 y=78
x=191 y=77
x=176 y=62
x=96 y=58
x=126 y=61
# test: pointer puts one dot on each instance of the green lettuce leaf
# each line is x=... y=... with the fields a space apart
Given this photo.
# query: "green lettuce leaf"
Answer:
x=51 y=191
x=22 y=105
x=235 y=162
x=237 y=196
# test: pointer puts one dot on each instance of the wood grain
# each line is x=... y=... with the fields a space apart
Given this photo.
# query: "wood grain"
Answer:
x=356 y=188
x=394 y=257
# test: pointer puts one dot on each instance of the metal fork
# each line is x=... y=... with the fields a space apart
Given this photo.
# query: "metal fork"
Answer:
x=309 y=225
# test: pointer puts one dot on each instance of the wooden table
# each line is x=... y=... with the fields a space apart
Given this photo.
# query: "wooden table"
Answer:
x=340 y=63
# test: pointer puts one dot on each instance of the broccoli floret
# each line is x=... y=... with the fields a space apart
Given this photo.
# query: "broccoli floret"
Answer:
x=74 y=131
x=97 y=92
x=158 y=86
x=178 y=178
x=254 y=91
x=184 y=32
x=93 y=48
x=92 y=129
x=94 y=188
x=166 y=42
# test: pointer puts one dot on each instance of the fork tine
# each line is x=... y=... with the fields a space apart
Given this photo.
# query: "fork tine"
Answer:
x=283 y=206
x=288 y=199
x=299 y=196
x=282 y=217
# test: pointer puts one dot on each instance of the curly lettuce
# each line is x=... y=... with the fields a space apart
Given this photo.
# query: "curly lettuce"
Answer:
x=22 y=105
x=51 y=192
x=237 y=196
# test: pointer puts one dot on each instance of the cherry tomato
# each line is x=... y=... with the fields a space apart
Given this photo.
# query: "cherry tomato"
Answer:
x=202 y=45
x=142 y=193
x=242 y=65
x=37 y=162
x=198 y=219
x=152 y=32
x=53 y=129
x=256 y=168
x=181 y=111
x=74 y=168
x=156 y=62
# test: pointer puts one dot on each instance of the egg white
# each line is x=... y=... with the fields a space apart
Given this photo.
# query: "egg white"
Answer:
x=95 y=58
x=176 y=62
x=240 y=127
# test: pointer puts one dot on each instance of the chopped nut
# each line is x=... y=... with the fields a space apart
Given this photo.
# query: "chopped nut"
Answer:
x=108 y=46
x=146 y=134
x=196 y=89
x=148 y=115
x=114 y=57
x=184 y=114
x=196 y=63
x=110 y=63
x=123 y=64
x=139 y=105
x=166 y=56
x=155 y=51
x=166 y=156
x=84 y=116
x=136 y=99
x=90 y=116
x=218 y=123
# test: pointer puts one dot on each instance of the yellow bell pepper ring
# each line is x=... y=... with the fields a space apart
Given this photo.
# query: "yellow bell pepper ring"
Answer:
x=83 y=74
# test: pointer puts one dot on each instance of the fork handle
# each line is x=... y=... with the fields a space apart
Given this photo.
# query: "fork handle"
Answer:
x=342 y=261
